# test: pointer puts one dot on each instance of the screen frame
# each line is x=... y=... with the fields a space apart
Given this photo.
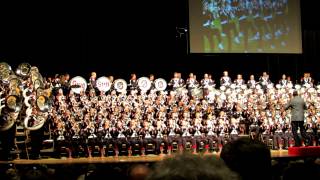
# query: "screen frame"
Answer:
x=188 y=38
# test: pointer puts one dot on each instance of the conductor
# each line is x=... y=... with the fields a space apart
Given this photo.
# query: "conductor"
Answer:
x=297 y=105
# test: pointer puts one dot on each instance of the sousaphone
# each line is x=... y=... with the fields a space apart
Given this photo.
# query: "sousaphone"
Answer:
x=8 y=117
x=12 y=104
x=37 y=116
x=23 y=70
x=7 y=120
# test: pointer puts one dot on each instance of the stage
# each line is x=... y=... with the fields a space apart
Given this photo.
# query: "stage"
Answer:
x=124 y=159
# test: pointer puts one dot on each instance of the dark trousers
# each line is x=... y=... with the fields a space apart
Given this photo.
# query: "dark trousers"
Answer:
x=295 y=125
x=278 y=138
x=36 y=141
x=7 y=141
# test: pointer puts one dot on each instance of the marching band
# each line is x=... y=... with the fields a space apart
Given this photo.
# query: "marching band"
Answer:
x=148 y=115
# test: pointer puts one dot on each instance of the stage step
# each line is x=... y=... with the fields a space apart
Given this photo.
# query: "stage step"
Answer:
x=304 y=151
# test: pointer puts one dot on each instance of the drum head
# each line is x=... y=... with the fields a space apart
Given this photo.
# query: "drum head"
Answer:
x=78 y=84
x=160 y=84
x=144 y=83
x=120 y=85
x=103 y=84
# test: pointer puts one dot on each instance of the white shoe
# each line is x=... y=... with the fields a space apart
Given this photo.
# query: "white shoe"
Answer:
x=272 y=46
x=277 y=34
x=207 y=24
x=283 y=43
x=236 y=40
x=240 y=34
x=255 y=37
x=220 y=46
x=267 y=36
x=223 y=35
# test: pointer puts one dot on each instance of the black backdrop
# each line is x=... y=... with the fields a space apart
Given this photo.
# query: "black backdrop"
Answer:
x=136 y=36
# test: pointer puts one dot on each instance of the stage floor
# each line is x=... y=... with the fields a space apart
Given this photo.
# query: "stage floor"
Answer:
x=120 y=159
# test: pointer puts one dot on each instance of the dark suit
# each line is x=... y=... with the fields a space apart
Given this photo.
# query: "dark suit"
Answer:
x=297 y=106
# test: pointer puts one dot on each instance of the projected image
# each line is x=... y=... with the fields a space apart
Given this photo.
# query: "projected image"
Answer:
x=245 y=26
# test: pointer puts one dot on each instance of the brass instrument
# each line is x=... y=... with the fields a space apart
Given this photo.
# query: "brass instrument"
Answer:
x=11 y=100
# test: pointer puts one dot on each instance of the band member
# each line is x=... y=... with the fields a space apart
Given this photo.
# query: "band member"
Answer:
x=111 y=79
x=251 y=82
x=257 y=14
x=264 y=80
x=92 y=80
x=278 y=137
x=176 y=81
x=228 y=26
x=317 y=131
x=225 y=79
x=267 y=9
x=242 y=11
x=239 y=81
x=297 y=106
x=133 y=83
x=283 y=81
x=309 y=126
x=266 y=134
x=210 y=13
x=206 y=82
x=7 y=141
x=280 y=24
x=36 y=142
x=151 y=78
x=191 y=83
x=307 y=80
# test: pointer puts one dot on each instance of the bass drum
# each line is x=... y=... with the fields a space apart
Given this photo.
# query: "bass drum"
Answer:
x=160 y=84
x=78 y=84
x=181 y=91
x=120 y=85
x=144 y=83
x=103 y=84
x=197 y=93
